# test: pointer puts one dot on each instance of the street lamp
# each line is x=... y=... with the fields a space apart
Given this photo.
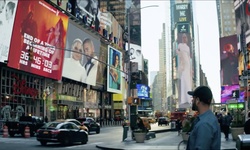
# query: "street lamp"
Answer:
x=128 y=60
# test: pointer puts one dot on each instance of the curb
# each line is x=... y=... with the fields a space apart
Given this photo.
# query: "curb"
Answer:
x=113 y=148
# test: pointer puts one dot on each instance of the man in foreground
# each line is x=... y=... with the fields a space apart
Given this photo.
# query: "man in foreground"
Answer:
x=205 y=133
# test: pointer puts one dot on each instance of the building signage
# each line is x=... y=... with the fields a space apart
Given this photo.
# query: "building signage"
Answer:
x=183 y=28
x=20 y=87
x=182 y=12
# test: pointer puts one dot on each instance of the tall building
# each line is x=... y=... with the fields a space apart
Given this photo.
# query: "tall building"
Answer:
x=162 y=68
x=185 y=51
x=226 y=17
x=152 y=77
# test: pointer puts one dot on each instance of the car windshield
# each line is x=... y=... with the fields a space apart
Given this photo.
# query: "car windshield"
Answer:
x=51 y=125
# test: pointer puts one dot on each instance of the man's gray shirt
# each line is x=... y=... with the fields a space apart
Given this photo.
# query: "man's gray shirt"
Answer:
x=206 y=133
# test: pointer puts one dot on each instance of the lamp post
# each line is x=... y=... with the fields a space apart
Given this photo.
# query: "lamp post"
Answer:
x=127 y=14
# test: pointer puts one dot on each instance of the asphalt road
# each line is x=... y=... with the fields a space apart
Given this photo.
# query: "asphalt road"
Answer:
x=107 y=135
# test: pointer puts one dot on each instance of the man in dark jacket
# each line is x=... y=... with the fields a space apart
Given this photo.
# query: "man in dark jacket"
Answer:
x=226 y=121
x=247 y=125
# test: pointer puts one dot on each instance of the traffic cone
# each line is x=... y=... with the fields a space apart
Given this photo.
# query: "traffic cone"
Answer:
x=27 y=132
x=5 y=131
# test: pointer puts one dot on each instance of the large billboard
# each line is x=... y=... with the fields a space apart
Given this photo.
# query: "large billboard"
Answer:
x=184 y=68
x=229 y=60
x=142 y=91
x=182 y=12
x=227 y=94
x=136 y=56
x=114 y=70
x=7 y=16
x=82 y=55
x=43 y=33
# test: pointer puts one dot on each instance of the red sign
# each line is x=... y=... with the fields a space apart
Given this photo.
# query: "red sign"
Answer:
x=19 y=87
x=43 y=27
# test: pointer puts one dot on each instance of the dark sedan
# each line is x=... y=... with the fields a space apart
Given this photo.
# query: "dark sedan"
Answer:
x=65 y=133
x=90 y=123
x=163 y=121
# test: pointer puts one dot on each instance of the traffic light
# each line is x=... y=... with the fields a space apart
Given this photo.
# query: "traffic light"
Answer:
x=30 y=53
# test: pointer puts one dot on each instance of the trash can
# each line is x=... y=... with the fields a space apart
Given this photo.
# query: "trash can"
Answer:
x=173 y=125
x=125 y=132
x=243 y=142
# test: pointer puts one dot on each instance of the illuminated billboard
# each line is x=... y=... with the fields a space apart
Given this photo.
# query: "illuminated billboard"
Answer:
x=83 y=55
x=6 y=26
x=182 y=12
x=227 y=91
x=44 y=34
x=229 y=60
x=114 y=70
x=142 y=91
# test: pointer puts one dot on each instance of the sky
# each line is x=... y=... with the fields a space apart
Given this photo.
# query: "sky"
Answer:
x=151 y=27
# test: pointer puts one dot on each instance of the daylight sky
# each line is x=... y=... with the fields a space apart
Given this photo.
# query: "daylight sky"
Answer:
x=154 y=17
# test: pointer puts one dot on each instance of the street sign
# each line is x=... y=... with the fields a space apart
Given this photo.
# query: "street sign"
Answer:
x=244 y=77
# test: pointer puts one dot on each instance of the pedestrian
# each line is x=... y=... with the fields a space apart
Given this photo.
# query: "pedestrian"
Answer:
x=46 y=119
x=205 y=132
x=178 y=125
x=226 y=121
x=247 y=125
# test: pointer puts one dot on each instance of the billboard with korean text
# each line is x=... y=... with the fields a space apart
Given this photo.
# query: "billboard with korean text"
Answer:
x=43 y=33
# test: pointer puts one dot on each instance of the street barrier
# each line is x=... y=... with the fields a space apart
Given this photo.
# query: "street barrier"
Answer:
x=27 y=132
x=5 y=131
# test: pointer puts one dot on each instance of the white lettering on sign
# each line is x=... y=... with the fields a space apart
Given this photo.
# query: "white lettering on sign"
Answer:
x=182 y=7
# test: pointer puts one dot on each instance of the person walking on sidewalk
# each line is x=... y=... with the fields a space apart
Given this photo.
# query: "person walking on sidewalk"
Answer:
x=226 y=121
x=205 y=132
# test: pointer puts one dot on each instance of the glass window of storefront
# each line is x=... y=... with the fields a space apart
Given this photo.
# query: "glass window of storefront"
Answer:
x=20 y=94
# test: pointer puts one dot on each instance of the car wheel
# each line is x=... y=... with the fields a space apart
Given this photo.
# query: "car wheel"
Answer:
x=12 y=134
x=43 y=143
x=85 y=140
x=66 y=141
x=97 y=130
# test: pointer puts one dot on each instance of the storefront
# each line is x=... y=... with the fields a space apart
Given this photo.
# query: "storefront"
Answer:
x=21 y=94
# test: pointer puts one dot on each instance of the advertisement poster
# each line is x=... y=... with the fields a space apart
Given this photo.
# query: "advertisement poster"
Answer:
x=114 y=70
x=82 y=54
x=184 y=69
x=229 y=60
x=43 y=33
x=182 y=12
x=109 y=23
x=227 y=91
x=7 y=16
x=142 y=91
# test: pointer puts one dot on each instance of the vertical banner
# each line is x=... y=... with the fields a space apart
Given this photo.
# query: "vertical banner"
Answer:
x=229 y=60
x=43 y=33
x=184 y=68
x=82 y=58
x=114 y=70
x=7 y=16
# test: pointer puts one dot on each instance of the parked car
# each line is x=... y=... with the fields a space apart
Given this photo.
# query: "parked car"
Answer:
x=65 y=133
x=78 y=123
x=163 y=121
x=90 y=123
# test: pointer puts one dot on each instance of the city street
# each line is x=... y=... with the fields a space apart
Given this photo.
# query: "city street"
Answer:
x=106 y=135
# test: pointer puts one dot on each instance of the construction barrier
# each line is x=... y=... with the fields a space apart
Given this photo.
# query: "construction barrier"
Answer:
x=27 y=132
x=5 y=131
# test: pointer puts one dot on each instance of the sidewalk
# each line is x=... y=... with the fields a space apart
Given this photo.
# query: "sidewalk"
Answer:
x=165 y=140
